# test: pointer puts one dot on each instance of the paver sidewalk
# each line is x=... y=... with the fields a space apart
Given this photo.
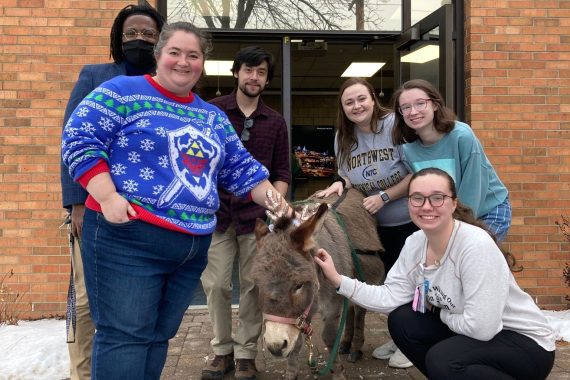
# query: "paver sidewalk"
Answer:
x=190 y=347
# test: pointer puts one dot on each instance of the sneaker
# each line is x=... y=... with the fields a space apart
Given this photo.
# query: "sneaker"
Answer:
x=218 y=366
x=385 y=351
x=399 y=360
x=245 y=369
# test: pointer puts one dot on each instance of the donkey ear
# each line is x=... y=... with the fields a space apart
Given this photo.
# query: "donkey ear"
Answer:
x=302 y=237
x=261 y=229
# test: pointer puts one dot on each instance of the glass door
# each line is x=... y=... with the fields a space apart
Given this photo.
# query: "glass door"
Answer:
x=427 y=50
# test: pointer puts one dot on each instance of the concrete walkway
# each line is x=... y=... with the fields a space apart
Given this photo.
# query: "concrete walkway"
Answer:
x=189 y=349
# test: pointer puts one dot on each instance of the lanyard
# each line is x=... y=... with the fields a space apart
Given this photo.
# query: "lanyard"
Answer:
x=420 y=293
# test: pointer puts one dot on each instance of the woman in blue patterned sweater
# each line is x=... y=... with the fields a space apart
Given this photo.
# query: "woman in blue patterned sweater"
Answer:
x=151 y=154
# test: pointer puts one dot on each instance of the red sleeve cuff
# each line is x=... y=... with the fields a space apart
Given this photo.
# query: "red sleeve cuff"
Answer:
x=100 y=167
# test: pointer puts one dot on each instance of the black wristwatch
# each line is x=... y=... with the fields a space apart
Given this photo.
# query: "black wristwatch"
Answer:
x=384 y=196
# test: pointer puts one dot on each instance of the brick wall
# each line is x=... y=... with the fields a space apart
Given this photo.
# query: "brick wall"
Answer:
x=43 y=45
x=518 y=97
x=518 y=103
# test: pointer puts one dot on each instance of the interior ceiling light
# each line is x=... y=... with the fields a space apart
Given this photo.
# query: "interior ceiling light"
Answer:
x=220 y=68
x=422 y=55
x=362 y=69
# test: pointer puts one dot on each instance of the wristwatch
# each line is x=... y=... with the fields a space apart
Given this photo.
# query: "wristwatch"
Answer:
x=384 y=196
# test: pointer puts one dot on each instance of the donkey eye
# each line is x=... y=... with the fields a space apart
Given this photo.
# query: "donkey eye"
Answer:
x=298 y=287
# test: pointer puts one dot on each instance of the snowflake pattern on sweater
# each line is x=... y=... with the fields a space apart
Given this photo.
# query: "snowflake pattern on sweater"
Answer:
x=165 y=153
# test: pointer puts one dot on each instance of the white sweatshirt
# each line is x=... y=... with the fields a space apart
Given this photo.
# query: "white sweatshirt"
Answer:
x=473 y=286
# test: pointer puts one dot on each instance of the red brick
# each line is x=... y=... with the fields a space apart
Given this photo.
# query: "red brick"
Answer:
x=516 y=56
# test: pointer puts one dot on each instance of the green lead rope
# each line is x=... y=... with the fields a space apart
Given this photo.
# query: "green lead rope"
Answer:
x=333 y=354
x=340 y=221
x=359 y=274
x=355 y=258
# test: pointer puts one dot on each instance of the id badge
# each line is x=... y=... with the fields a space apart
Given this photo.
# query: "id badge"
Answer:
x=419 y=302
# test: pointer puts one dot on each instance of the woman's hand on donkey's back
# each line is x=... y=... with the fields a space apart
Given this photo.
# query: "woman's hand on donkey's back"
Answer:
x=335 y=187
x=325 y=261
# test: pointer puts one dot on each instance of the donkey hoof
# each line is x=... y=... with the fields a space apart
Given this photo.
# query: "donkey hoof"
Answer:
x=355 y=356
x=344 y=348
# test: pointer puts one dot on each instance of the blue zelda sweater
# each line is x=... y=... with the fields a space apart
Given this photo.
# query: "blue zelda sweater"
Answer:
x=166 y=154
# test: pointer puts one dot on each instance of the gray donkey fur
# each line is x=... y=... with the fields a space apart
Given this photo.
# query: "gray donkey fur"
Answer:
x=288 y=278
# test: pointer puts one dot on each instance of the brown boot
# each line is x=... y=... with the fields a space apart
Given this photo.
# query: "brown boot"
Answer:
x=245 y=369
x=218 y=366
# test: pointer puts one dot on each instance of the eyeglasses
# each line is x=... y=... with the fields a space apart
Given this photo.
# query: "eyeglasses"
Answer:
x=248 y=123
x=419 y=105
x=147 y=34
x=435 y=200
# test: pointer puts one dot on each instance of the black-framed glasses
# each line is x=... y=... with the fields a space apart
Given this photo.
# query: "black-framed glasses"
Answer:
x=147 y=34
x=247 y=124
x=419 y=105
x=435 y=200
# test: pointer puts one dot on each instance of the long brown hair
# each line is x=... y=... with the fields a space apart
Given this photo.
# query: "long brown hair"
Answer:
x=346 y=137
x=443 y=118
x=464 y=213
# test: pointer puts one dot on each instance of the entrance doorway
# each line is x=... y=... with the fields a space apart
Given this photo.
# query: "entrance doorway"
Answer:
x=308 y=70
x=309 y=66
x=312 y=68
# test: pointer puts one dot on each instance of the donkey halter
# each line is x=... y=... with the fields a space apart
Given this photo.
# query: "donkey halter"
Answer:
x=302 y=322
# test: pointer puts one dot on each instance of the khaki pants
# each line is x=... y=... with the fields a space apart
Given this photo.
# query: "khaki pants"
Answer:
x=216 y=281
x=80 y=350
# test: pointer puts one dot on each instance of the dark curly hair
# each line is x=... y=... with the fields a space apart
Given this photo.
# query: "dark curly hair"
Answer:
x=253 y=56
x=117 y=28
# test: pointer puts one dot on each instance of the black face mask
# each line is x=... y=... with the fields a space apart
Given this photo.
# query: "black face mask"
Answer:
x=139 y=53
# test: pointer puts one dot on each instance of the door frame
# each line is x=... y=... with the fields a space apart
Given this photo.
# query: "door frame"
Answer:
x=449 y=19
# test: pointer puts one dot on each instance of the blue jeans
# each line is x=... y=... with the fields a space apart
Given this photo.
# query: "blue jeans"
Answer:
x=140 y=280
x=498 y=220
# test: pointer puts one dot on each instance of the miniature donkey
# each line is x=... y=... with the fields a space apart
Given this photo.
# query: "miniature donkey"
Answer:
x=291 y=285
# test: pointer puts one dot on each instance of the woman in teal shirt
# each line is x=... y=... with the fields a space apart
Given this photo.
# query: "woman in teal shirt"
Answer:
x=432 y=137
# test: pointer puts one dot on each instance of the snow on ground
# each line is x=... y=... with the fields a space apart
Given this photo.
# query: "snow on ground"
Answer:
x=37 y=350
x=34 y=350
x=560 y=322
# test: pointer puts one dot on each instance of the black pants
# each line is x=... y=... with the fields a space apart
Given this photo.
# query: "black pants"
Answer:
x=440 y=353
x=393 y=239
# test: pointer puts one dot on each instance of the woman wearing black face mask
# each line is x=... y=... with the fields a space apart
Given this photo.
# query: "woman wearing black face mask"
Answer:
x=134 y=33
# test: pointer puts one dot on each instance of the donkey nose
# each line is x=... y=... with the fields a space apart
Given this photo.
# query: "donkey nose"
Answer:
x=276 y=349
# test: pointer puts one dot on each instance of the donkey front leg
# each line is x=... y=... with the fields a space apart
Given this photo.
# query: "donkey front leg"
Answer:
x=358 y=334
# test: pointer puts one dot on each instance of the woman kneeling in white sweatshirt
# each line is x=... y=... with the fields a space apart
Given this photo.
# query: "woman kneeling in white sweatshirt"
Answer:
x=454 y=306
